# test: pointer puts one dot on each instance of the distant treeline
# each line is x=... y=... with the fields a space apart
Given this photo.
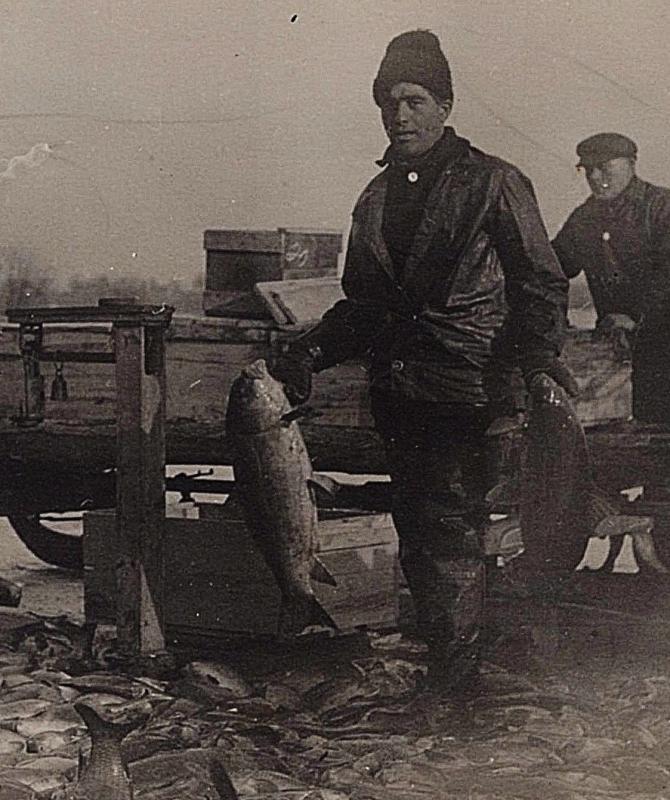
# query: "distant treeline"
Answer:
x=24 y=282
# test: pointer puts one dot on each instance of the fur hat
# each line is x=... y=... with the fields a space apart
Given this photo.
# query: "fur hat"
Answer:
x=414 y=57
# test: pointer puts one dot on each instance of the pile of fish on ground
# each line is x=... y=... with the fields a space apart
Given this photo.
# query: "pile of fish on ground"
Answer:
x=358 y=728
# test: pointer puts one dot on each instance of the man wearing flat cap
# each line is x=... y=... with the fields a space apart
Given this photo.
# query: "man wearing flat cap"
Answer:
x=451 y=284
x=620 y=239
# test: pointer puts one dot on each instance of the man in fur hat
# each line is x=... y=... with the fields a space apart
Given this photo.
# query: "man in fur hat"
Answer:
x=450 y=283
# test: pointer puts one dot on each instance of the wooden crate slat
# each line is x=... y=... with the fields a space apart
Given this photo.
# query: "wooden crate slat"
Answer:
x=217 y=581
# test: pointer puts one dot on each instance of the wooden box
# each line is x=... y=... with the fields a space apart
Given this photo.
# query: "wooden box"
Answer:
x=602 y=370
x=218 y=584
x=237 y=260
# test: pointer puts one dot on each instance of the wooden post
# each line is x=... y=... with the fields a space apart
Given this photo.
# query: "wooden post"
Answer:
x=30 y=343
x=140 y=493
x=139 y=353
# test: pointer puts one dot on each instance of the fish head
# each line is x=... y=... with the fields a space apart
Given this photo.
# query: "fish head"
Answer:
x=257 y=401
x=219 y=676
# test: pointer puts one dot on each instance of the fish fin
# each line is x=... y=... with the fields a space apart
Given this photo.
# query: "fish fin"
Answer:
x=299 y=412
x=99 y=726
x=645 y=552
x=320 y=572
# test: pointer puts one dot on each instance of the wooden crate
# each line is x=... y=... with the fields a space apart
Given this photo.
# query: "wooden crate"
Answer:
x=218 y=584
x=603 y=372
x=237 y=260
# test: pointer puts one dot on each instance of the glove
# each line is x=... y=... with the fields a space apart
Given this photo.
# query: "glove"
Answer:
x=618 y=330
x=556 y=370
x=294 y=369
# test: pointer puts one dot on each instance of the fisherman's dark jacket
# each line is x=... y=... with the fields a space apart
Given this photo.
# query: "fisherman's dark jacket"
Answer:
x=480 y=280
x=623 y=247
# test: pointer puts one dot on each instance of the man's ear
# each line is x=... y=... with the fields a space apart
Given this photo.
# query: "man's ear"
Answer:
x=445 y=107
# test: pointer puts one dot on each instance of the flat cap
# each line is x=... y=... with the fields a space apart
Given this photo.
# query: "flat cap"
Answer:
x=603 y=147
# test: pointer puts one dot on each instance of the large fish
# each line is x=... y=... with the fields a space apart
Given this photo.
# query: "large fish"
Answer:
x=556 y=483
x=274 y=477
x=561 y=505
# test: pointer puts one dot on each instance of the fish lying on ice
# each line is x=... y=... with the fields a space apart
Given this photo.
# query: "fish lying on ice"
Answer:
x=274 y=478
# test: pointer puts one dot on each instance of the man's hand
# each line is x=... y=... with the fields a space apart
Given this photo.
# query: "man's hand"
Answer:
x=618 y=330
x=294 y=369
x=506 y=424
x=557 y=371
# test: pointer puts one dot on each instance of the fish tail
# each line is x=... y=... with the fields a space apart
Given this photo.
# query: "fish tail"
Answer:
x=101 y=728
x=645 y=552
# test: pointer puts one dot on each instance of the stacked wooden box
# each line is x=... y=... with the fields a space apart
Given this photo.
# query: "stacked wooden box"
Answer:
x=218 y=584
x=238 y=259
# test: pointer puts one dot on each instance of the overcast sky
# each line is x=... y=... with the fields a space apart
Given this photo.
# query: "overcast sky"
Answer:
x=167 y=118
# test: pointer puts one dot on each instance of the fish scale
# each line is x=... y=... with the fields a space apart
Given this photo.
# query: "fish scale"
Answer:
x=105 y=776
x=554 y=490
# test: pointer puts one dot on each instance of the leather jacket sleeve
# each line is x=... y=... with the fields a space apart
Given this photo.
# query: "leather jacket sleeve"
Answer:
x=536 y=290
x=348 y=328
x=564 y=247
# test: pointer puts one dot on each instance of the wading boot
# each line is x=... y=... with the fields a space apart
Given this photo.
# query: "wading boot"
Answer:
x=454 y=637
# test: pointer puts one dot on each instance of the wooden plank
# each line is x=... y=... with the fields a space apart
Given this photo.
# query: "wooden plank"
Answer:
x=603 y=375
x=356 y=531
x=231 y=303
x=296 y=301
x=349 y=530
x=64 y=446
x=108 y=310
x=81 y=430
x=245 y=240
x=140 y=488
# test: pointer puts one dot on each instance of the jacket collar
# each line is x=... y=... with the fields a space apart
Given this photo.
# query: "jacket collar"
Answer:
x=450 y=149
x=634 y=191
x=443 y=150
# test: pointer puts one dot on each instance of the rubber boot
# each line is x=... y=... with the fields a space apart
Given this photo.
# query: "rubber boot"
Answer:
x=455 y=636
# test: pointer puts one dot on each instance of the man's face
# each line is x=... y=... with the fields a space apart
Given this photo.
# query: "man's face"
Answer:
x=413 y=119
x=609 y=179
